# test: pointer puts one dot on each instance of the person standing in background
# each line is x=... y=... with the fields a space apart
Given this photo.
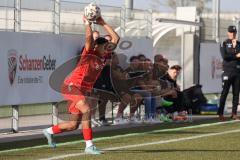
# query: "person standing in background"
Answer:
x=230 y=52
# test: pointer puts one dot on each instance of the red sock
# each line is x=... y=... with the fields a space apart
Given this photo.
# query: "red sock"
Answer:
x=87 y=134
x=56 y=129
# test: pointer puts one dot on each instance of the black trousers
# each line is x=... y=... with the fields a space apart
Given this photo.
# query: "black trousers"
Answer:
x=177 y=103
x=228 y=81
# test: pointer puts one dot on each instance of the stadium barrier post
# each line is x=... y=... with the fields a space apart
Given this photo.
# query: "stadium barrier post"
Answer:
x=148 y=18
x=122 y=22
x=56 y=17
x=55 y=113
x=17 y=15
x=15 y=118
x=112 y=111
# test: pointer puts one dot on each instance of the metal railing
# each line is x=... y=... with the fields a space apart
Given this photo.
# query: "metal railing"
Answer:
x=60 y=16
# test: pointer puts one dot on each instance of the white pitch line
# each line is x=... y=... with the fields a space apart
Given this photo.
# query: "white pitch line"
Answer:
x=124 y=135
x=147 y=144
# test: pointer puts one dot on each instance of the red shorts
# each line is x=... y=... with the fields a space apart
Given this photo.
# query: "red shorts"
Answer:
x=73 y=95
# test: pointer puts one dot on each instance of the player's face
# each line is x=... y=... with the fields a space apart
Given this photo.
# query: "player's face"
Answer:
x=159 y=58
x=231 y=35
x=142 y=58
x=173 y=73
x=141 y=62
x=100 y=48
x=148 y=65
x=135 y=64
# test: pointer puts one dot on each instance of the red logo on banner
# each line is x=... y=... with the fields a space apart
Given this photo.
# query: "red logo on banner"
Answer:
x=12 y=65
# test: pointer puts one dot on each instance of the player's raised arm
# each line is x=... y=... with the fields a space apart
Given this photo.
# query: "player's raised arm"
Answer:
x=89 y=35
x=109 y=30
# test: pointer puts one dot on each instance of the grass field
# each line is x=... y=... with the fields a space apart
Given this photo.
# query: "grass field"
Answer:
x=192 y=141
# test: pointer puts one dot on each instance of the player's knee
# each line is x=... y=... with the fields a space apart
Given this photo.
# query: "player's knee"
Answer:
x=83 y=106
x=126 y=98
x=81 y=103
x=73 y=125
x=86 y=110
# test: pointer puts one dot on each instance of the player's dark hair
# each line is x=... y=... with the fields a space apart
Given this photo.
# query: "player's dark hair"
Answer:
x=176 y=67
x=100 y=40
x=133 y=58
x=147 y=59
x=141 y=56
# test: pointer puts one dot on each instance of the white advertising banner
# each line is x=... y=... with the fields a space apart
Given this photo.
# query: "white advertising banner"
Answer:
x=26 y=62
x=210 y=67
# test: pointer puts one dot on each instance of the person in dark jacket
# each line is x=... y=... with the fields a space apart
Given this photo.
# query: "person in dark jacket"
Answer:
x=230 y=52
x=176 y=94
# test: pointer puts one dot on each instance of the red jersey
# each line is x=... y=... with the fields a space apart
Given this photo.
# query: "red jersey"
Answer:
x=87 y=70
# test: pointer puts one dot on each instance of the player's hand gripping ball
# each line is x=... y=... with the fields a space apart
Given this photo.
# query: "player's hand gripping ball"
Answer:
x=92 y=12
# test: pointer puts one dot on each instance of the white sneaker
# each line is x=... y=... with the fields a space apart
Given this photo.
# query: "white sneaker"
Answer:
x=118 y=121
x=155 y=121
x=104 y=123
x=135 y=120
x=95 y=123
x=152 y=121
x=147 y=121
x=92 y=150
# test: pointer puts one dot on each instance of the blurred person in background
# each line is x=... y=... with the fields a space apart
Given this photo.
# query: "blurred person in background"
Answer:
x=160 y=66
x=136 y=66
x=122 y=85
x=141 y=58
x=102 y=86
x=145 y=86
x=133 y=68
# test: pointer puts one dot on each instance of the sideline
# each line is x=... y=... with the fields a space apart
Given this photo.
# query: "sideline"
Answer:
x=122 y=136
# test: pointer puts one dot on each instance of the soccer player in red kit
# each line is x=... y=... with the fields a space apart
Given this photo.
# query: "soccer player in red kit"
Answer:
x=78 y=85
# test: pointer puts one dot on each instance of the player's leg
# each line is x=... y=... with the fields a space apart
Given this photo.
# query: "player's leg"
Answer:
x=125 y=100
x=84 y=107
x=226 y=86
x=148 y=104
x=72 y=124
x=235 y=92
x=121 y=108
x=136 y=101
x=93 y=104
x=102 y=110
x=73 y=96
x=153 y=108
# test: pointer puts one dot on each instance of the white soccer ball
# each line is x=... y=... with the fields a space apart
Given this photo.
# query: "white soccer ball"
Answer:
x=92 y=12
